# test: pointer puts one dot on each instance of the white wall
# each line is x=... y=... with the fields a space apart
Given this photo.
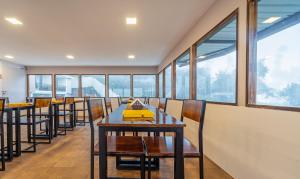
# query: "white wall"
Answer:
x=248 y=143
x=13 y=81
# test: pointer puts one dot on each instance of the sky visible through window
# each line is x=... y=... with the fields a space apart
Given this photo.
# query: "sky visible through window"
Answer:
x=278 y=68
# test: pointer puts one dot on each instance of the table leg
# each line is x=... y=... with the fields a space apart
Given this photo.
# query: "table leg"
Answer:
x=179 y=160
x=18 y=132
x=56 y=119
x=9 y=126
x=103 y=153
x=75 y=115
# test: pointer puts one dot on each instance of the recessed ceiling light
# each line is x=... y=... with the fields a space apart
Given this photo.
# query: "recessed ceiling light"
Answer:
x=131 y=57
x=13 y=21
x=131 y=20
x=9 y=56
x=71 y=57
x=271 y=20
x=202 y=57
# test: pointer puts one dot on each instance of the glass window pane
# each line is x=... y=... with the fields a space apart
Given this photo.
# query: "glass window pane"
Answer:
x=278 y=55
x=160 y=84
x=144 y=85
x=119 y=85
x=216 y=65
x=168 y=82
x=67 y=85
x=183 y=76
x=40 y=85
x=93 y=85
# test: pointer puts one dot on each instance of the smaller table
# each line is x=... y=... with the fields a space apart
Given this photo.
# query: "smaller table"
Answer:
x=17 y=108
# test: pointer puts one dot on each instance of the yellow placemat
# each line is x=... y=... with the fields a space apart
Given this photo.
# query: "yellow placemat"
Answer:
x=16 y=105
x=138 y=115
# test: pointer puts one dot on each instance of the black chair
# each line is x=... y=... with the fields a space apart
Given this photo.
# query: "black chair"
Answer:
x=82 y=109
x=163 y=147
x=116 y=145
x=67 y=111
x=43 y=115
x=2 y=102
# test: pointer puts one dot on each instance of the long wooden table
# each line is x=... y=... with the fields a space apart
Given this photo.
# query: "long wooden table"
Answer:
x=161 y=123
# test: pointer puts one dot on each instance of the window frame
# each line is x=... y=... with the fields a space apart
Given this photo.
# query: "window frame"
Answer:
x=155 y=75
x=251 y=59
x=164 y=81
x=79 y=84
x=209 y=34
x=130 y=87
x=27 y=83
x=188 y=51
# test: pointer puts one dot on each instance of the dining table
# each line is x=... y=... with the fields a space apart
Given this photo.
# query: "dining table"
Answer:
x=161 y=122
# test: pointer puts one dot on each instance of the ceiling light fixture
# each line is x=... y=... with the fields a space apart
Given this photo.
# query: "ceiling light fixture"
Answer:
x=13 y=21
x=131 y=20
x=9 y=56
x=131 y=57
x=270 y=20
x=71 y=57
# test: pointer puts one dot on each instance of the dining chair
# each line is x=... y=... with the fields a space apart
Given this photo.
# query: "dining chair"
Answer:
x=81 y=109
x=108 y=106
x=116 y=145
x=115 y=103
x=163 y=147
x=2 y=103
x=153 y=102
x=67 y=111
x=42 y=110
x=162 y=104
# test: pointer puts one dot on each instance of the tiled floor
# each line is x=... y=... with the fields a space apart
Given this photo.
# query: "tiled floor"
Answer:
x=68 y=158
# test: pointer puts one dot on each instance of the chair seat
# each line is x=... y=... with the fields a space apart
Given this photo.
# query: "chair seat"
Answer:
x=164 y=147
x=123 y=145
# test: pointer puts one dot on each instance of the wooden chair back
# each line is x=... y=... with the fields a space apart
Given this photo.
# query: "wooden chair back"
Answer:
x=174 y=108
x=2 y=103
x=69 y=100
x=95 y=109
x=162 y=103
x=42 y=102
x=195 y=110
x=108 y=105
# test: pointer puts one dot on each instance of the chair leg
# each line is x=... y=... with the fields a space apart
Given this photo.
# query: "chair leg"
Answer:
x=201 y=166
x=2 y=148
x=149 y=168
x=92 y=167
x=142 y=167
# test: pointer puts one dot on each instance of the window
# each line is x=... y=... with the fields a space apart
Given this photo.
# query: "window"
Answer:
x=119 y=85
x=168 y=82
x=216 y=63
x=144 y=85
x=40 y=85
x=93 y=85
x=160 y=84
x=274 y=56
x=67 y=85
x=183 y=76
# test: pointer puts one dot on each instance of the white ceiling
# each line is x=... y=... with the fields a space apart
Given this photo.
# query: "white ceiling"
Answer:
x=94 y=31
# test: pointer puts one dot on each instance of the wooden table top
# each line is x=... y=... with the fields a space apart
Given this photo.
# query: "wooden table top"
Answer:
x=161 y=119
